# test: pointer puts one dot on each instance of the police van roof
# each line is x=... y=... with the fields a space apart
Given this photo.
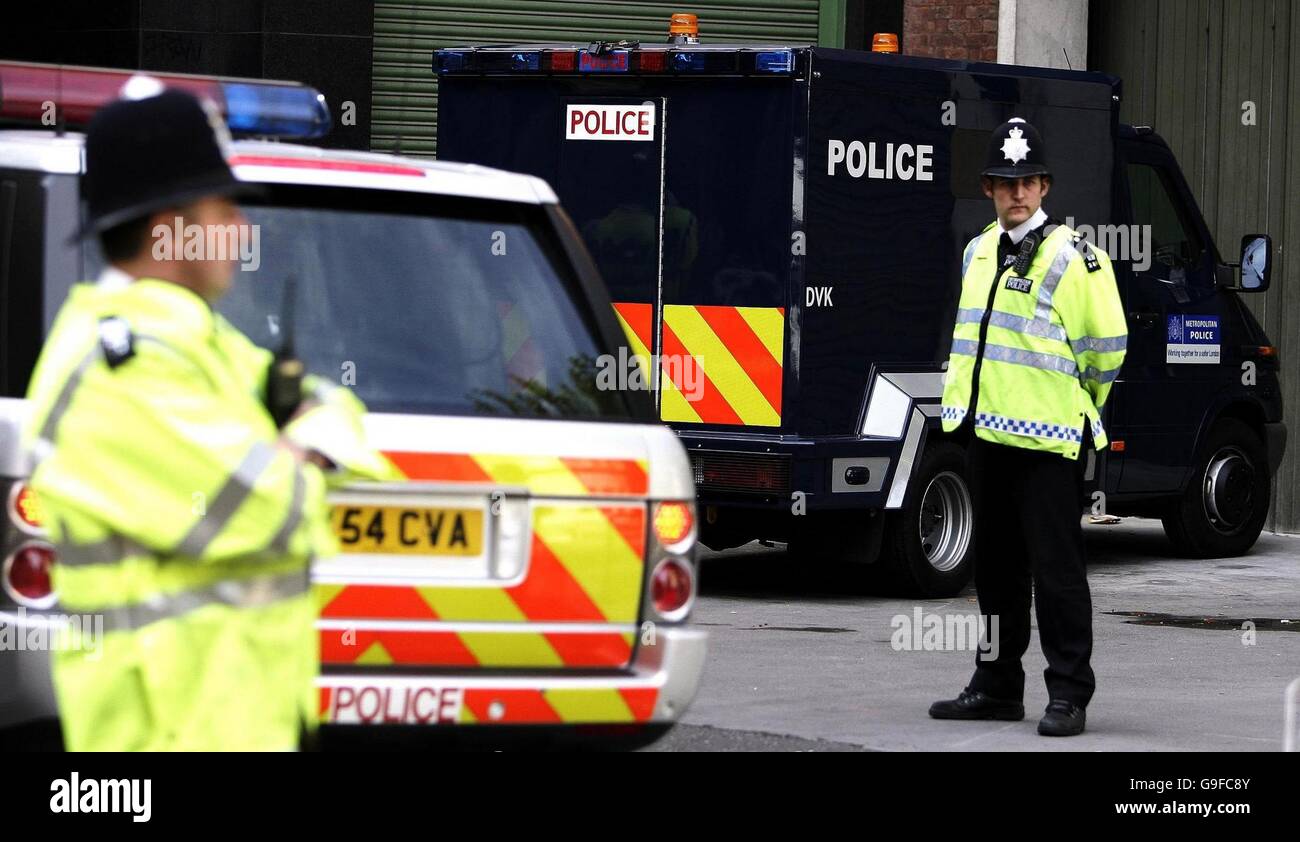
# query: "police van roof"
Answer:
x=525 y=59
x=282 y=163
x=656 y=45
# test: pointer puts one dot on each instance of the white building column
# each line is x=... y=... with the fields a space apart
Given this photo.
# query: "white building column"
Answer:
x=1042 y=33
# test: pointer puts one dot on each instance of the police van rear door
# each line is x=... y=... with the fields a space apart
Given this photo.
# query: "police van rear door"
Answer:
x=610 y=174
x=677 y=165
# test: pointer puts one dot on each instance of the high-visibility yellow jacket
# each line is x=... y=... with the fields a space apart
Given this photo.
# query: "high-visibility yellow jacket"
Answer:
x=1054 y=344
x=180 y=521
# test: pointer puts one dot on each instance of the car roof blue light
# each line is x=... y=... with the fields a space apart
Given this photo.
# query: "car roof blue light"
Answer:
x=281 y=110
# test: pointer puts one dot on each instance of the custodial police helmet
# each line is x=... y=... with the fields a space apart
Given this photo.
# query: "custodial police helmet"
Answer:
x=1016 y=150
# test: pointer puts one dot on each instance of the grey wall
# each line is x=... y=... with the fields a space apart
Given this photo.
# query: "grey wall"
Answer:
x=1188 y=67
x=1043 y=33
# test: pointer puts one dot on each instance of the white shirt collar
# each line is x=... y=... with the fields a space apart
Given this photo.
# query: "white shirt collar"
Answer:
x=113 y=278
x=1018 y=233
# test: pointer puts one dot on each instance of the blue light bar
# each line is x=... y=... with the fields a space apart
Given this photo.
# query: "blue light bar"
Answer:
x=774 y=61
x=688 y=61
x=450 y=62
x=525 y=61
x=612 y=62
x=280 y=110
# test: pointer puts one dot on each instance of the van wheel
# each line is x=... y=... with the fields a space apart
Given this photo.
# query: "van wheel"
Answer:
x=928 y=544
x=1226 y=501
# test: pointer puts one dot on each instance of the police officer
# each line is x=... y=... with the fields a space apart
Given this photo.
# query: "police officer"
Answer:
x=182 y=515
x=1039 y=337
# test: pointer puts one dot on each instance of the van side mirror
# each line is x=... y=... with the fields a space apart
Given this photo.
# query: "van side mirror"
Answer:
x=1256 y=262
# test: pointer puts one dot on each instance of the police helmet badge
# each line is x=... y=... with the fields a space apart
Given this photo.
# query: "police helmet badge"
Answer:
x=1015 y=147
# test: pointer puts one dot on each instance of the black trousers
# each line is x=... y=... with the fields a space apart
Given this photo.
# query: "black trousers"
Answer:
x=1027 y=511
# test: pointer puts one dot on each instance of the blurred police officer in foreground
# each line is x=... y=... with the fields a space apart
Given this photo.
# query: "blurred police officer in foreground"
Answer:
x=1039 y=338
x=181 y=513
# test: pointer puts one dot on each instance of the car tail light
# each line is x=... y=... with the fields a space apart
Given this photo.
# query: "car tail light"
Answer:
x=672 y=588
x=674 y=523
x=25 y=509
x=26 y=575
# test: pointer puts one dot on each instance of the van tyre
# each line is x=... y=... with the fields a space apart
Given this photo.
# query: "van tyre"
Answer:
x=929 y=542
x=1224 y=506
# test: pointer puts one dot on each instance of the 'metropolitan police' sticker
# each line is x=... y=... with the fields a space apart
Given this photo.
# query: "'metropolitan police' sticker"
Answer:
x=1192 y=339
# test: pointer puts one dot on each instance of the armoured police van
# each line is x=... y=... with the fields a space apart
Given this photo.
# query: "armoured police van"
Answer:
x=781 y=229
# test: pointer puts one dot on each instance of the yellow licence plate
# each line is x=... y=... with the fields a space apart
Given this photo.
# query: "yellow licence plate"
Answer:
x=398 y=530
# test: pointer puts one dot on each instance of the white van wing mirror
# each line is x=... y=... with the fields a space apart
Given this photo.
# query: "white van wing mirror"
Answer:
x=1256 y=262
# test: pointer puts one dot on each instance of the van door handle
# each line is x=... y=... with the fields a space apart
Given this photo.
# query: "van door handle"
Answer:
x=1144 y=319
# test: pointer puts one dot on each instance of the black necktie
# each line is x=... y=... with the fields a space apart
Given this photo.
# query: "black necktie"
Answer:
x=1006 y=251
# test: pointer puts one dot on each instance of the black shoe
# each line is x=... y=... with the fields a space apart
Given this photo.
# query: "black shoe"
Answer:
x=1062 y=719
x=972 y=704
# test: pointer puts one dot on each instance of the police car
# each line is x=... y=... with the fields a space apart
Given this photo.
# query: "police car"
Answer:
x=781 y=228
x=537 y=565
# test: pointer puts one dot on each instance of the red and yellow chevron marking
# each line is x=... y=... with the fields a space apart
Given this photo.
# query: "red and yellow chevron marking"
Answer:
x=638 y=323
x=542 y=706
x=737 y=355
x=586 y=566
x=561 y=476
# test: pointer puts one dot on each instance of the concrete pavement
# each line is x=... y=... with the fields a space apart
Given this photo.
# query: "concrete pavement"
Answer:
x=803 y=652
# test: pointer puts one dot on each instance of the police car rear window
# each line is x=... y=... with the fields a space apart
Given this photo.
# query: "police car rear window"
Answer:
x=423 y=304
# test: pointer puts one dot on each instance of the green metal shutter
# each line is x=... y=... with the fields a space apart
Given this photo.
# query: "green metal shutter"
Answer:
x=1189 y=70
x=405 y=91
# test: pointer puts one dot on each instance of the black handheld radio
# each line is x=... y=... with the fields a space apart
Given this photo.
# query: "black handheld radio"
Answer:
x=284 y=377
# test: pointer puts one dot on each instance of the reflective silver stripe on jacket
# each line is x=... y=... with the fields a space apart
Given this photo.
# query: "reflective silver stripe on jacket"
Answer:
x=228 y=500
x=118 y=548
x=108 y=551
x=61 y=403
x=280 y=543
x=969 y=254
x=254 y=592
x=1100 y=344
x=1100 y=376
x=1033 y=359
x=1019 y=324
x=1061 y=262
x=1017 y=356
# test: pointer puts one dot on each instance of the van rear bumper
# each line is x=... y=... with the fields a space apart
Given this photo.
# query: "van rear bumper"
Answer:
x=830 y=473
x=657 y=688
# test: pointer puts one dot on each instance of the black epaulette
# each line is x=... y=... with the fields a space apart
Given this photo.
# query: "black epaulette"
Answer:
x=1090 y=261
x=116 y=340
